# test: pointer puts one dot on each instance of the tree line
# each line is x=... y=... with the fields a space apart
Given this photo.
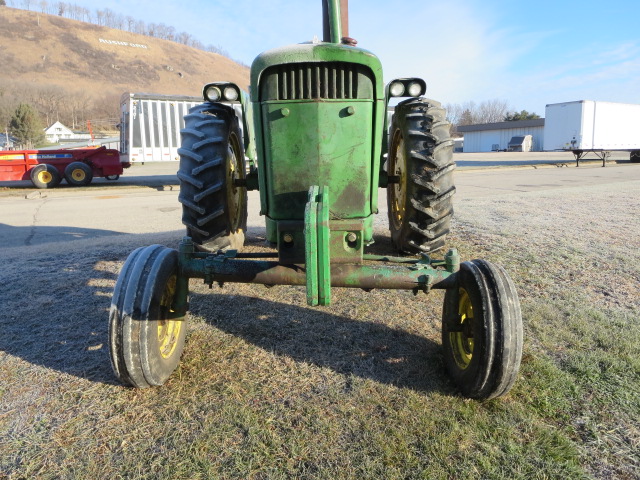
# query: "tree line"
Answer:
x=487 y=111
x=24 y=106
x=108 y=18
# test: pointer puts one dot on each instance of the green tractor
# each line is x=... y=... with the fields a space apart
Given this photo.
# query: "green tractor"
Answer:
x=316 y=132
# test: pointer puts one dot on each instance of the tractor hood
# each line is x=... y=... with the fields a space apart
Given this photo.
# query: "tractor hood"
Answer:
x=312 y=53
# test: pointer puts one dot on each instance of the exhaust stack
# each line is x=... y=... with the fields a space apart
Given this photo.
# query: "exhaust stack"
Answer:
x=335 y=21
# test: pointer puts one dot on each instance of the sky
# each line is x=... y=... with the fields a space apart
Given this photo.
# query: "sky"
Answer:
x=528 y=54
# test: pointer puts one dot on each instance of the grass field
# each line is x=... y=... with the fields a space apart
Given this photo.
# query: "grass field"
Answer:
x=270 y=388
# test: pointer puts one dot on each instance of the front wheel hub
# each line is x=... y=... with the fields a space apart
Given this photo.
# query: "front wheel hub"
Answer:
x=462 y=339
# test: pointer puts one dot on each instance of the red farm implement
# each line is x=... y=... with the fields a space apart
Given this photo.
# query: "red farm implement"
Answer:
x=47 y=168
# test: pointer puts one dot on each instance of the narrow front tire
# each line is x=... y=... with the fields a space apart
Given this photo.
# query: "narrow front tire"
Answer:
x=482 y=331
x=146 y=338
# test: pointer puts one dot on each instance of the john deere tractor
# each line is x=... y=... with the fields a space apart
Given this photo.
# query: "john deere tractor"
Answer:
x=320 y=142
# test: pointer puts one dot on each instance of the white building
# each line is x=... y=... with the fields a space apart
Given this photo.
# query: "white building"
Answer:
x=495 y=136
x=57 y=133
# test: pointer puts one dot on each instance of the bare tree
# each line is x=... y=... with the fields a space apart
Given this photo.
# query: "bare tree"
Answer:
x=48 y=101
x=105 y=111
x=86 y=15
x=470 y=113
x=171 y=33
x=454 y=110
x=130 y=22
x=140 y=27
x=73 y=12
x=108 y=17
x=118 y=21
x=8 y=104
x=100 y=17
x=184 y=38
x=162 y=31
x=77 y=106
x=462 y=113
x=492 y=111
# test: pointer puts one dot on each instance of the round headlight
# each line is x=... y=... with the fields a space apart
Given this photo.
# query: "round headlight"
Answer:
x=415 y=89
x=230 y=94
x=213 y=94
x=396 y=89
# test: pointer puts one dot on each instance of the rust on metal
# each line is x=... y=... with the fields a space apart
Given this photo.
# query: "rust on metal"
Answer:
x=219 y=268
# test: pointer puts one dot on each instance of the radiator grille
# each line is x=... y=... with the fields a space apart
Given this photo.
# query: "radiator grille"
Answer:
x=310 y=81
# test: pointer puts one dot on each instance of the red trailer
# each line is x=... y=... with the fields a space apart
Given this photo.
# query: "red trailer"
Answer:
x=46 y=168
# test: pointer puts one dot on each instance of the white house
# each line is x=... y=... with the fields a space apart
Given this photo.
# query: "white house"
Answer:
x=57 y=132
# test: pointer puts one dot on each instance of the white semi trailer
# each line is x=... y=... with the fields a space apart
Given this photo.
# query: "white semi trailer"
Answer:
x=150 y=126
x=589 y=126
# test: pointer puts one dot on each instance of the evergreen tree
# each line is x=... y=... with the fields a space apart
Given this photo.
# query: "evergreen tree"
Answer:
x=522 y=115
x=26 y=126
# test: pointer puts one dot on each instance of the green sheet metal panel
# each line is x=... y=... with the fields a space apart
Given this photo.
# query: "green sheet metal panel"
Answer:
x=318 y=142
x=300 y=133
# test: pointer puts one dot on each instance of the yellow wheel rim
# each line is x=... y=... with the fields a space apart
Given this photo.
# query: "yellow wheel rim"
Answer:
x=45 y=177
x=168 y=330
x=462 y=341
x=234 y=194
x=78 y=175
x=399 y=190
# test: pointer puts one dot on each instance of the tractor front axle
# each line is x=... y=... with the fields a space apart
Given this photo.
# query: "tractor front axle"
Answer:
x=403 y=274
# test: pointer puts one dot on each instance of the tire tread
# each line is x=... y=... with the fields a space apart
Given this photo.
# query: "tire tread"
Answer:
x=430 y=167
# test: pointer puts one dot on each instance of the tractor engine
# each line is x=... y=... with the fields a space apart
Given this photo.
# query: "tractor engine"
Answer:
x=319 y=112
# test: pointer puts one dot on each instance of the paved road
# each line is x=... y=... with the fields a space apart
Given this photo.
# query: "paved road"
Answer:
x=145 y=199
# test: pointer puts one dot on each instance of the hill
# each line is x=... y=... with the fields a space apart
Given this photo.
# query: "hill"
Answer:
x=41 y=51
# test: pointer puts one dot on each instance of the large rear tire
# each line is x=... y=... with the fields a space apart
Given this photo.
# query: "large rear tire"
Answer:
x=482 y=331
x=145 y=339
x=214 y=208
x=421 y=160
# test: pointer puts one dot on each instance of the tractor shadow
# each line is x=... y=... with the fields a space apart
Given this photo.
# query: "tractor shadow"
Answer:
x=11 y=236
x=361 y=348
x=57 y=319
x=366 y=346
x=56 y=301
